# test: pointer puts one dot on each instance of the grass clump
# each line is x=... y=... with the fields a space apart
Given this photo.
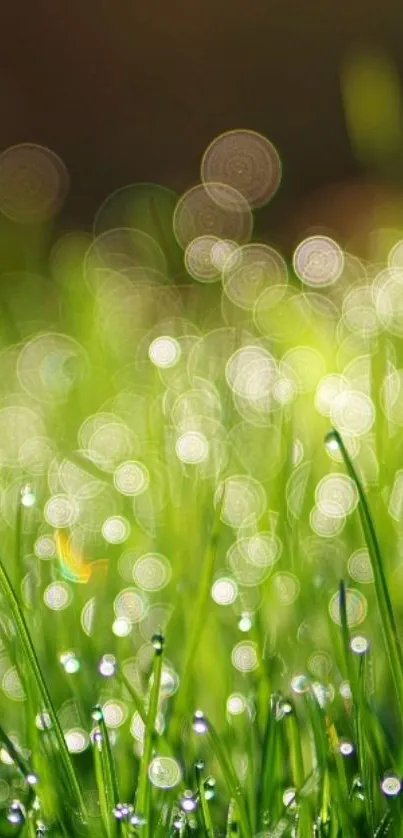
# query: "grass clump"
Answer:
x=200 y=575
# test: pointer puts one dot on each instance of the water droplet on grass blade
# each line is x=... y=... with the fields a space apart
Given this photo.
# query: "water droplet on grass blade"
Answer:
x=359 y=644
x=346 y=747
x=158 y=643
x=391 y=785
x=32 y=779
x=199 y=722
x=70 y=662
x=245 y=622
x=96 y=713
x=138 y=820
x=27 y=495
x=122 y=811
x=188 y=801
x=209 y=788
x=15 y=813
x=178 y=822
x=96 y=737
x=332 y=441
x=107 y=666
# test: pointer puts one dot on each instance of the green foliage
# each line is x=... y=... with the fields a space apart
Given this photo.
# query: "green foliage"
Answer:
x=170 y=541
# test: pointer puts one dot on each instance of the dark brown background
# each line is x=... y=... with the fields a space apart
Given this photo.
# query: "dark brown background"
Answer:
x=130 y=91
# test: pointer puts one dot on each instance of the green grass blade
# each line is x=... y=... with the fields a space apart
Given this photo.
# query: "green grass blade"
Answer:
x=104 y=803
x=109 y=776
x=230 y=778
x=232 y=820
x=36 y=672
x=143 y=787
x=200 y=609
x=388 y=624
x=205 y=814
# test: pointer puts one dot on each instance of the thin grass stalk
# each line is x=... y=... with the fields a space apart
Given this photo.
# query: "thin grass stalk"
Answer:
x=34 y=666
x=196 y=633
x=266 y=765
x=232 y=820
x=231 y=780
x=363 y=754
x=297 y=768
x=143 y=788
x=388 y=624
x=108 y=771
x=137 y=700
x=205 y=814
x=104 y=803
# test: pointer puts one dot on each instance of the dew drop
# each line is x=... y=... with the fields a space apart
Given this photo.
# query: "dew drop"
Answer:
x=209 y=788
x=122 y=811
x=345 y=690
x=346 y=747
x=199 y=765
x=96 y=737
x=289 y=798
x=359 y=644
x=245 y=622
x=332 y=441
x=96 y=713
x=138 y=820
x=27 y=495
x=188 y=801
x=15 y=813
x=199 y=724
x=179 y=822
x=158 y=643
x=107 y=666
x=285 y=709
x=32 y=779
x=391 y=785
x=70 y=662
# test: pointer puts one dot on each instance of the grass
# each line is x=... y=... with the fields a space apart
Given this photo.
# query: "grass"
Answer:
x=195 y=648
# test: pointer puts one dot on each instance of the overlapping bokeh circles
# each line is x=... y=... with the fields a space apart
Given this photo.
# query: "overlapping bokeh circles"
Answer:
x=246 y=161
x=212 y=210
x=318 y=261
x=123 y=250
x=33 y=183
x=249 y=270
x=202 y=259
x=50 y=366
x=148 y=207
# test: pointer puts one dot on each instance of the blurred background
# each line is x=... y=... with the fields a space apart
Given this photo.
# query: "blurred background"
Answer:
x=127 y=91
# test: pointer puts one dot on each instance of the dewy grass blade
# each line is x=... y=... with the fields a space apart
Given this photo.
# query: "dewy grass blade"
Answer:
x=143 y=788
x=232 y=820
x=17 y=758
x=110 y=781
x=34 y=666
x=200 y=609
x=230 y=778
x=105 y=808
x=137 y=700
x=345 y=633
x=204 y=807
x=364 y=755
x=269 y=744
x=388 y=624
